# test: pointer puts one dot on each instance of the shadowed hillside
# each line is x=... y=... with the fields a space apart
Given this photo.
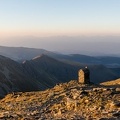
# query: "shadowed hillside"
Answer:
x=44 y=72
x=44 y=66
x=49 y=71
x=13 y=78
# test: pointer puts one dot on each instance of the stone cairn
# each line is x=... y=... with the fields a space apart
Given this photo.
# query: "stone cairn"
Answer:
x=84 y=76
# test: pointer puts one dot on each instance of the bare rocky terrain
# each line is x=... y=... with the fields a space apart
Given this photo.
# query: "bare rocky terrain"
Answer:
x=112 y=83
x=70 y=101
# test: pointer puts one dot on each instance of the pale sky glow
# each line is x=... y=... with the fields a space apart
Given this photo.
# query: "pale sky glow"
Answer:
x=66 y=26
x=59 y=17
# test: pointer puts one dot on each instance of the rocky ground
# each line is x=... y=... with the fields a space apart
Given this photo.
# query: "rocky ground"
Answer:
x=70 y=101
x=112 y=83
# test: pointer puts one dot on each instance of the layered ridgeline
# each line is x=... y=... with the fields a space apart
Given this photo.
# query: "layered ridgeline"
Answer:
x=22 y=53
x=46 y=66
x=43 y=72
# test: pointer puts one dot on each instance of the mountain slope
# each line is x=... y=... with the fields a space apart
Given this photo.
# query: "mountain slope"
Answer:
x=49 y=71
x=44 y=72
x=13 y=78
x=109 y=61
x=44 y=66
x=100 y=73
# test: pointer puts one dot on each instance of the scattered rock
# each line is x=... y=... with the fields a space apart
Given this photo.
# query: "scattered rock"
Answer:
x=70 y=101
x=117 y=114
x=117 y=89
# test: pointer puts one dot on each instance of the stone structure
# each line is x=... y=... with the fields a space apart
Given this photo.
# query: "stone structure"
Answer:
x=84 y=76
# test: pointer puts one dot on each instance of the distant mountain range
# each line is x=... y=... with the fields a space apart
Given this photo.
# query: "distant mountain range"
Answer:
x=21 y=53
x=44 y=72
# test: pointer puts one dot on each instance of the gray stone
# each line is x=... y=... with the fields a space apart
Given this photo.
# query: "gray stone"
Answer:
x=84 y=76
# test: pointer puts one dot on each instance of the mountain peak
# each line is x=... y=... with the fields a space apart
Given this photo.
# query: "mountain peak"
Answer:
x=37 y=57
x=43 y=57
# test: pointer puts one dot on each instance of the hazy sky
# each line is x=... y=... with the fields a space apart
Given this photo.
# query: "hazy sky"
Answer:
x=67 y=26
x=59 y=17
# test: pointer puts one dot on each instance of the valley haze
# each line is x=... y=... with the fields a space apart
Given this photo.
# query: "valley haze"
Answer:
x=88 y=45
